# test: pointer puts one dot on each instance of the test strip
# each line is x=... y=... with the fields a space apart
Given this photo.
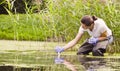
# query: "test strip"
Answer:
x=58 y=55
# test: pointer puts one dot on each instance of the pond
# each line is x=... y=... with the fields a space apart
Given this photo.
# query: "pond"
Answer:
x=40 y=56
x=48 y=60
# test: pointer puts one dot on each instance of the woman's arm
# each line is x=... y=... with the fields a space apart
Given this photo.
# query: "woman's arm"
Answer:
x=74 y=41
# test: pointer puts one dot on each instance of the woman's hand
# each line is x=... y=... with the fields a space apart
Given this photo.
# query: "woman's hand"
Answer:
x=93 y=40
x=59 y=49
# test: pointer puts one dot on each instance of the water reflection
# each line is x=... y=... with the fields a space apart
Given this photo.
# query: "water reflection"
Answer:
x=92 y=64
x=88 y=64
x=46 y=61
x=68 y=64
x=84 y=63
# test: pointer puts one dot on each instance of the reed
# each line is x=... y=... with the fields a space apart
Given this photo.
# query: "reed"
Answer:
x=58 y=21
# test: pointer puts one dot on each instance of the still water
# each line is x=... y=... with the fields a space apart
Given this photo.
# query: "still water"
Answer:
x=50 y=61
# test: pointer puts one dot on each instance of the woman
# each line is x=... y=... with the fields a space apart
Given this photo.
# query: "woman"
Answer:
x=100 y=34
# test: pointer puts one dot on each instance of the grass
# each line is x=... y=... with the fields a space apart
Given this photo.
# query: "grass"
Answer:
x=59 y=21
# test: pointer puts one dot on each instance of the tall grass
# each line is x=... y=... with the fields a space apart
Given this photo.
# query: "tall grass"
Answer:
x=66 y=15
x=59 y=21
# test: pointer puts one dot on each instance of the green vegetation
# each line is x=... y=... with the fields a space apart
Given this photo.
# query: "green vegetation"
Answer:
x=59 y=21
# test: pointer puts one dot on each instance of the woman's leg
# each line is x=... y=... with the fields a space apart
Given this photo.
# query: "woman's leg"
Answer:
x=85 y=48
x=100 y=48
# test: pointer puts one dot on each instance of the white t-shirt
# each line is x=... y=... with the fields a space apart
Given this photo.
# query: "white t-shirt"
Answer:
x=99 y=28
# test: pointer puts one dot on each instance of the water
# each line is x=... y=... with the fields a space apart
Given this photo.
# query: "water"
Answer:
x=49 y=61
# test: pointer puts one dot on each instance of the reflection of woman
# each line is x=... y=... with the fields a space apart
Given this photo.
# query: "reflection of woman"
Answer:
x=86 y=63
x=100 y=34
x=91 y=64
x=69 y=65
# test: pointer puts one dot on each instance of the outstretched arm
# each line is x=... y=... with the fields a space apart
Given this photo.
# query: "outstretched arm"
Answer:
x=74 y=41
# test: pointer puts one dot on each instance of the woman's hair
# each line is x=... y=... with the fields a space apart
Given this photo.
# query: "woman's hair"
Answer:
x=88 y=20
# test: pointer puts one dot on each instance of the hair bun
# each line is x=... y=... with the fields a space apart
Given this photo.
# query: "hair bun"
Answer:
x=94 y=18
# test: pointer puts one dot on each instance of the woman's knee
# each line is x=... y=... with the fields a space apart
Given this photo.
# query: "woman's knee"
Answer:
x=99 y=52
